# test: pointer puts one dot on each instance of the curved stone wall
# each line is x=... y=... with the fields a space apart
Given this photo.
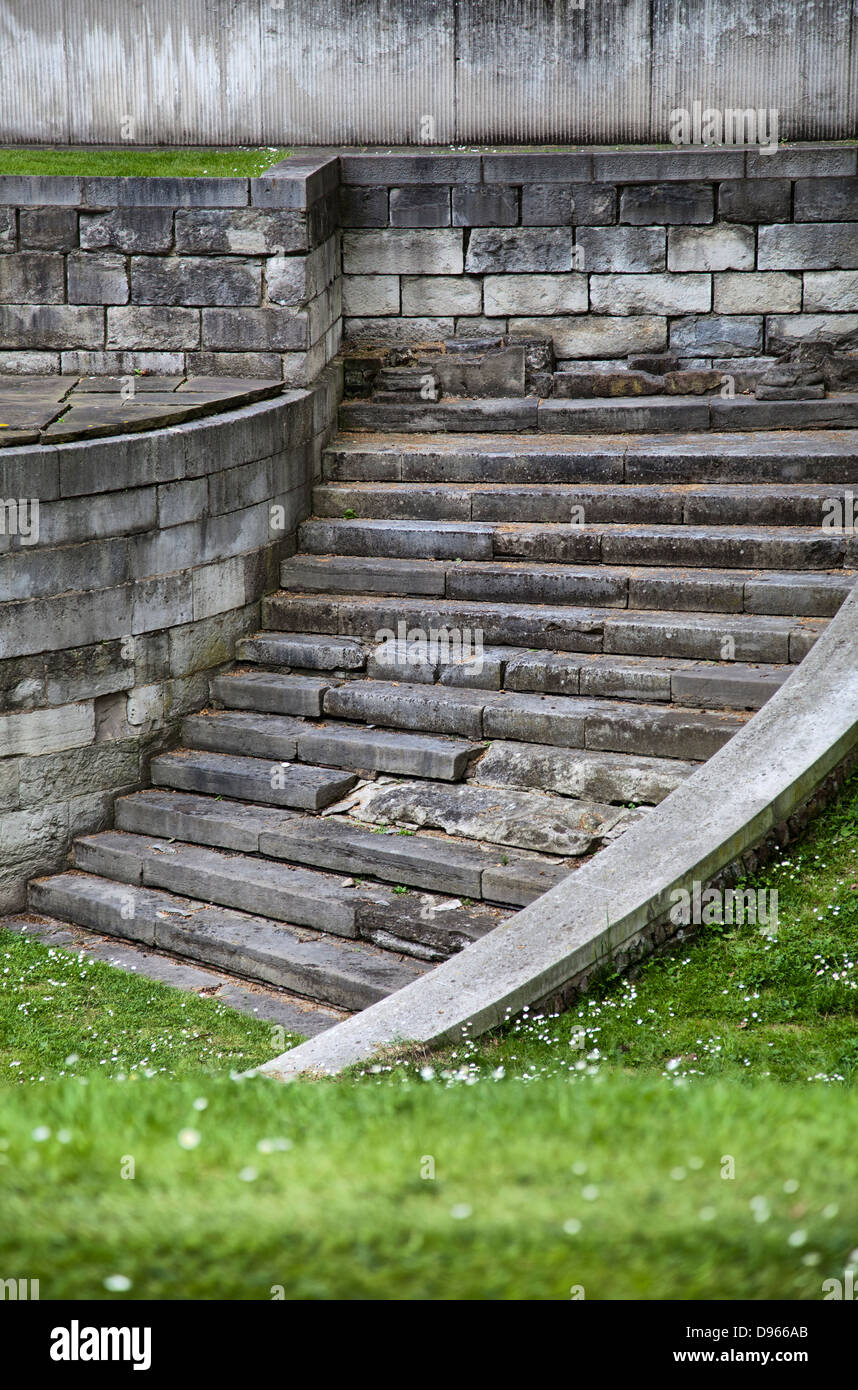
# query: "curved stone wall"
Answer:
x=122 y=590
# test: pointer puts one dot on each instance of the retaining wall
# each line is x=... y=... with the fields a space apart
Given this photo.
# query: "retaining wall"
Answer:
x=715 y=255
x=350 y=71
x=153 y=550
x=712 y=254
x=203 y=276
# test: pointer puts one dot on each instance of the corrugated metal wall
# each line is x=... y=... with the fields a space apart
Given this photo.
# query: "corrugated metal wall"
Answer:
x=417 y=71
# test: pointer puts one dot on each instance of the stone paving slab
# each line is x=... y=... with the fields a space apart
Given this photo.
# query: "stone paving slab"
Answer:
x=56 y=409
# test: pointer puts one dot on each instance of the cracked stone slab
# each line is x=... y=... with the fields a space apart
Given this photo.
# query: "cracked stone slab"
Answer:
x=523 y=819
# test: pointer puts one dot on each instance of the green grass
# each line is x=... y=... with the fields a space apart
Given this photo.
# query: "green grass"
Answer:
x=56 y=1006
x=730 y=1001
x=127 y=161
x=688 y=1134
x=612 y=1184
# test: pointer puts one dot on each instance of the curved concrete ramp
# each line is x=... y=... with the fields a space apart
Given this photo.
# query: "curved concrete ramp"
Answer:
x=617 y=903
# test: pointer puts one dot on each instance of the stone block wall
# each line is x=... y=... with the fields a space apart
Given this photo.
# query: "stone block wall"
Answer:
x=711 y=254
x=152 y=552
x=204 y=276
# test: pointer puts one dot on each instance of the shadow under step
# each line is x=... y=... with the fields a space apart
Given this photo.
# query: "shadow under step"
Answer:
x=347 y=975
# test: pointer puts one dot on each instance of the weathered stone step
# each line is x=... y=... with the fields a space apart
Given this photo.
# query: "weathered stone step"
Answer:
x=621 y=778
x=436 y=863
x=270 y=693
x=654 y=679
x=521 y=820
x=250 y=779
x=714 y=546
x=626 y=632
x=350 y=975
x=571 y=722
x=764 y=456
x=282 y=739
x=643 y=414
x=593 y=504
x=694 y=590
x=309 y=651
x=268 y=888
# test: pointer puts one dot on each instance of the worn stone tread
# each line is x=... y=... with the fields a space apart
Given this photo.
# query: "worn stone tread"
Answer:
x=298 y=785
x=338 y=844
x=407 y=753
x=349 y=975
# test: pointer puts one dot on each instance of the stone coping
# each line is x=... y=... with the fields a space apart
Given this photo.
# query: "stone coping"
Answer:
x=294 y=183
x=617 y=903
x=312 y=172
x=57 y=409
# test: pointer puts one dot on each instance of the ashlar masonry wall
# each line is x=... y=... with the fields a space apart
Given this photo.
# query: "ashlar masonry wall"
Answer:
x=712 y=254
x=204 y=276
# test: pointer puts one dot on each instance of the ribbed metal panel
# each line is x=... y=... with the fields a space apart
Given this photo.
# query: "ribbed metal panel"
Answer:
x=418 y=71
x=783 y=55
x=355 y=71
x=33 y=95
x=551 y=71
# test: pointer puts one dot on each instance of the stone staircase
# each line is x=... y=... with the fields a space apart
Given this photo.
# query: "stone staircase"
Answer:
x=491 y=653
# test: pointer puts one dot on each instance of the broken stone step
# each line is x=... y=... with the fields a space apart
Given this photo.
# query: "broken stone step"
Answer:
x=493 y=414
x=250 y=779
x=335 y=843
x=521 y=820
x=348 y=975
x=783 y=456
x=268 y=888
x=568 y=721
x=697 y=636
x=270 y=693
x=622 y=778
x=591 y=504
x=341 y=745
x=311 y=651
x=272 y=1005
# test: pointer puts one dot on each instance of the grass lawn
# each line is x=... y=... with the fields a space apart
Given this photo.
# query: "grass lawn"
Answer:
x=127 y=161
x=686 y=1135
